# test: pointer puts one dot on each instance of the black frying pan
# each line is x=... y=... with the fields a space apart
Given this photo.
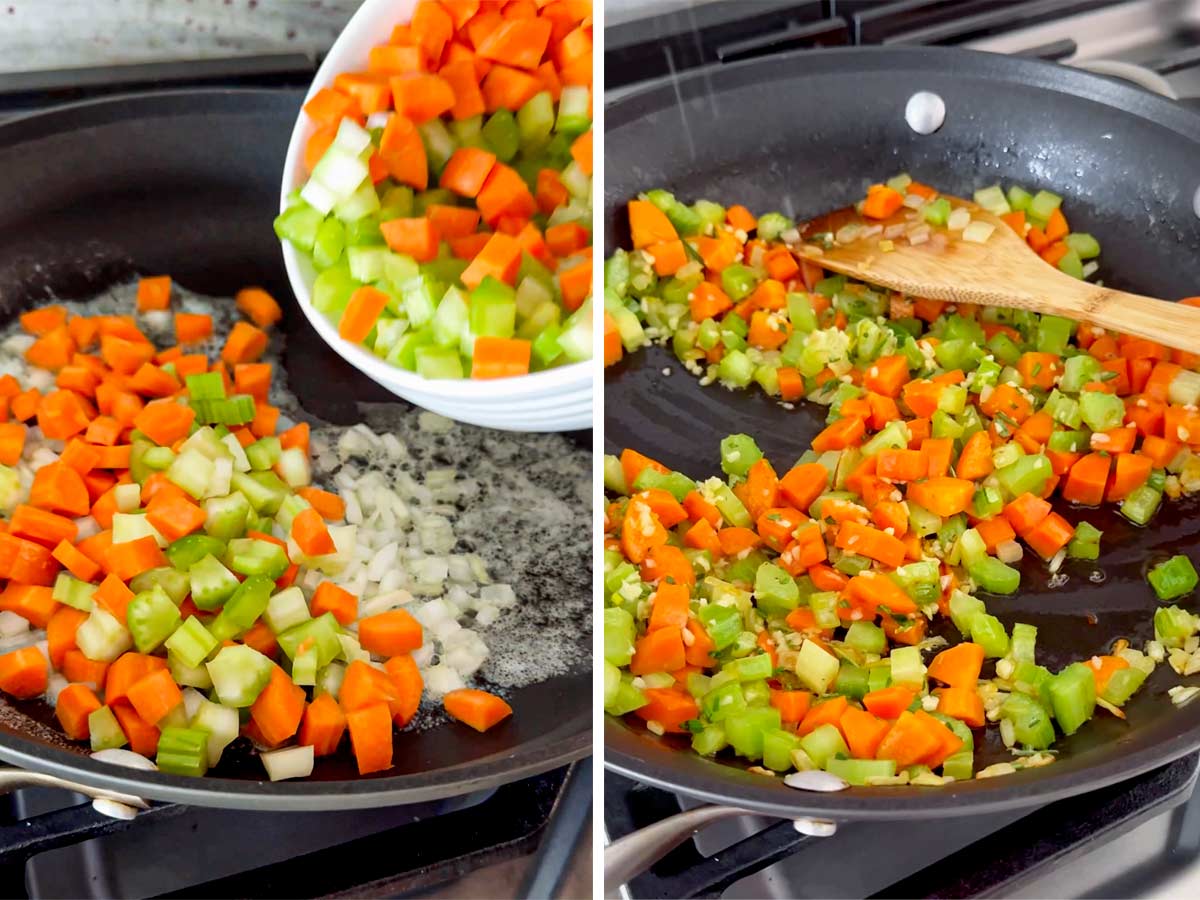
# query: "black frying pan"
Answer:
x=188 y=183
x=806 y=134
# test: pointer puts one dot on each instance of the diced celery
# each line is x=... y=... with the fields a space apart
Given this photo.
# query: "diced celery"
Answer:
x=816 y=668
x=1072 y=694
x=183 y=751
x=251 y=556
x=104 y=730
x=191 y=642
x=287 y=609
x=239 y=674
x=858 y=771
x=151 y=618
x=73 y=592
x=212 y=583
x=101 y=637
x=823 y=744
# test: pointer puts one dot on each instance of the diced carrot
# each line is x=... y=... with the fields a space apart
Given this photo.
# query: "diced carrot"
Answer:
x=322 y=726
x=669 y=707
x=496 y=357
x=390 y=633
x=402 y=152
x=371 y=737
x=276 y=711
x=415 y=237
x=154 y=695
x=420 y=96
x=154 y=293
x=74 y=704
x=246 y=343
x=479 y=709
x=134 y=557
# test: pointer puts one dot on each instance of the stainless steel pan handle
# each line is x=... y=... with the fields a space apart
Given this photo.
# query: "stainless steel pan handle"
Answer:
x=109 y=803
x=627 y=857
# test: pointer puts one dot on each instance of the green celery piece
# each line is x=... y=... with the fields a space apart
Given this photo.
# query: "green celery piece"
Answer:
x=324 y=630
x=879 y=676
x=1028 y=474
x=286 y=609
x=723 y=624
x=722 y=701
x=1053 y=334
x=750 y=668
x=1122 y=685
x=502 y=135
x=188 y=550
x=1019 y=198
x=151 y=618
x=851 y=681
x=816 y=668
x=965 y=611
x=212 y=583
x=1174 y=578
x=738 y=281
x=191 y=642
x=299 y=224
x=438 y=362
x=183 y=751
x=1031 y=721
x=1141 y=503
x=676 y=484
x=619 y=635
x=328 y=243
x=1173 y=626
x=626 y=698
x=777 y=749
x=1024 y=638
x=773 y=224
x=535 y=122
x=192 y=471
x=745 y=730
x=730 y=507
x=174 y=582
x=239 y=673
x=225 y=517
x=206 y=386
x=104 y=730
x=858 y=771
x=264 y=490
x=493 y=309
x=251 y=556
x=1043 y=204
x=823 y=744
x=614 y=475
x=249 y=601
x=1072 y=695
x=73 y=592
x=1083 y=244
x=994 y=576
x=450 y=318
x=775 y=590
x=866 y=637
x=738 y=453
x=989 y=633
x=1071 y=264
x=936 y=212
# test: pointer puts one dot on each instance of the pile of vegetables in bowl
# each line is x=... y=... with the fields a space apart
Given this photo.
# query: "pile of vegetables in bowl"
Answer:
x=447 y=208
x=174 y=579
x=785 y=614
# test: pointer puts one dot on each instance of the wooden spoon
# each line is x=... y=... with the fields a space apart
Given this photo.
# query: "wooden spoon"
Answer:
x=1002 y=271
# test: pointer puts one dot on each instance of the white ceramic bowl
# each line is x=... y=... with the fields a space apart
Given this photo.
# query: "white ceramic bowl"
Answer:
x=556 y=400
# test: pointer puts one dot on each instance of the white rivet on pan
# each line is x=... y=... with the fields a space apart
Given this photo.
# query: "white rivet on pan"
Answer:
x=816 y=827
x=1196 y=202
x=113 y=809
x=925 y=112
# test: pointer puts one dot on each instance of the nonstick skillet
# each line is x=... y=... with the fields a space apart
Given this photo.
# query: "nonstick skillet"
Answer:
x=807 y=133
x=188 y=183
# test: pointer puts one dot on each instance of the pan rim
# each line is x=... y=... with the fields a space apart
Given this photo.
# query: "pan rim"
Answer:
x=976 y=64
x=487 y=772
x=623 y=755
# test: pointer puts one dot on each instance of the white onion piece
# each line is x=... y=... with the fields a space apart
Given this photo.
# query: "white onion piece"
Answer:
x=12 y=624
x=118 y=756
x=290 y=762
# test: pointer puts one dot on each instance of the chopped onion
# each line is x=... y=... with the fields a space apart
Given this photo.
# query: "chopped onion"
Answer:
x=441 y=680
x=290 y=762
x=1009 y=552
x=12 y=624
x=958 y=219
x=121 y=757
x=978 y=232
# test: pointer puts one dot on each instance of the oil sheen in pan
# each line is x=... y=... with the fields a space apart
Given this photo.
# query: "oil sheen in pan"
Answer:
x=524 y=506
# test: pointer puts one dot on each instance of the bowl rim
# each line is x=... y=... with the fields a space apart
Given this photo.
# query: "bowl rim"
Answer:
x=365 y=21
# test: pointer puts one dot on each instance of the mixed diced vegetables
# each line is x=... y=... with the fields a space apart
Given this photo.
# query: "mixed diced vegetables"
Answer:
x=785 y=614
x=448 y=205
x=166 y=534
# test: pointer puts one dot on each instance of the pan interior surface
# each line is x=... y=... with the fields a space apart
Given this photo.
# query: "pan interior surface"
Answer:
x=187 y=184
x=809 y=133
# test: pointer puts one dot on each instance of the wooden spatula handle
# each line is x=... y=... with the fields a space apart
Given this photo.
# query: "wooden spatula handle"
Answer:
x=1172 y=324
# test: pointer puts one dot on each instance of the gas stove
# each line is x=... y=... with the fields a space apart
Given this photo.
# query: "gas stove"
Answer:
x=1138 y=838
x=649 y=41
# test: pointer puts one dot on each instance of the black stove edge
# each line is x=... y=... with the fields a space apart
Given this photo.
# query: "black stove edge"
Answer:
x=507 y=825
x=1019 y=853
x=1013 y=855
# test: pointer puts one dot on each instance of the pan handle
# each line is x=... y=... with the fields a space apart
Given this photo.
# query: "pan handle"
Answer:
x=627 y=857
x=109 y=803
